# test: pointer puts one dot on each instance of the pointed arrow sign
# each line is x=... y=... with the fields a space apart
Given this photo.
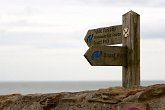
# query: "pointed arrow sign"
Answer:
x=104 y=36
x=107 y=56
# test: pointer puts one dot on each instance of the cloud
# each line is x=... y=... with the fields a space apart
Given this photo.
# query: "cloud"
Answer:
x=40 y=40
x=84 y=2
x=39 y=31
x=45 y=38
x=117 y=3
x=63 y=24
x=125 y=3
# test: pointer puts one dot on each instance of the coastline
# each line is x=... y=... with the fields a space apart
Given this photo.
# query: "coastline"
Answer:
x=152 y=97
x=44 y=87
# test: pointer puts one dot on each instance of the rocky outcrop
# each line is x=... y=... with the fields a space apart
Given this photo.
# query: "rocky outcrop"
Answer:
x=104 y=99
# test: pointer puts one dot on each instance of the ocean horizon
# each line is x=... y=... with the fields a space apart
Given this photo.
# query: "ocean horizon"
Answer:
x=61 y=86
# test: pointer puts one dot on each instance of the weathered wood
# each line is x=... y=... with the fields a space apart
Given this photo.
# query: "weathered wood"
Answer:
x=106 y=56
x=104 y=36
x=131 y=39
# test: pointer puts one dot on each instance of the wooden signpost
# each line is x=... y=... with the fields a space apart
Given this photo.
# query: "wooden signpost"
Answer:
x=101 y=53
x=104 y=36
x=131 y=39
x=106 y=56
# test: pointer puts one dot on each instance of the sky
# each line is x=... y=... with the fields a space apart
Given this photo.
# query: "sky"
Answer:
x=43 y=40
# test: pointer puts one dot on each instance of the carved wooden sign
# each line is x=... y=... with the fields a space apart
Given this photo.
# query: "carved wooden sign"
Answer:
x=106 y=56
x=104 y=36
x=101 y=53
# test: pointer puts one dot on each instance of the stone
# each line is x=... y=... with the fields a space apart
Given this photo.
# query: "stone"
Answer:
x=152 y=92
x=133 y=106
x=114 y=98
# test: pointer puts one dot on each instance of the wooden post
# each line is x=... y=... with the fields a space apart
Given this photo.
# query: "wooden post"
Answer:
x=131 y=39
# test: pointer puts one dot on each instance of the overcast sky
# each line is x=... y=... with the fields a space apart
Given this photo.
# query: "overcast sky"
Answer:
x=43 y=40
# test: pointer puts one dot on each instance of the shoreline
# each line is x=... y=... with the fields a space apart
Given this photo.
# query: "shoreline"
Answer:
x=25 y=88
x=113 y=98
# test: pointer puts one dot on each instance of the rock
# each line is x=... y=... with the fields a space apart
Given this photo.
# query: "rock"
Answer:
x=6 y=100
x=50 y=101
x=76 y=98
x=152 y=92
x=133 y=106
x=132 y=98
x=133 y=91
x=102 y=99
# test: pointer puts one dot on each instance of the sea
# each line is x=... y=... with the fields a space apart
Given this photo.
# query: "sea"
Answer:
x=24 y=88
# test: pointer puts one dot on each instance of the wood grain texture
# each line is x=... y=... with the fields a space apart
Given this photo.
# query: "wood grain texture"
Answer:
x=104 y=36
x=107 y=56
x=131 y=72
